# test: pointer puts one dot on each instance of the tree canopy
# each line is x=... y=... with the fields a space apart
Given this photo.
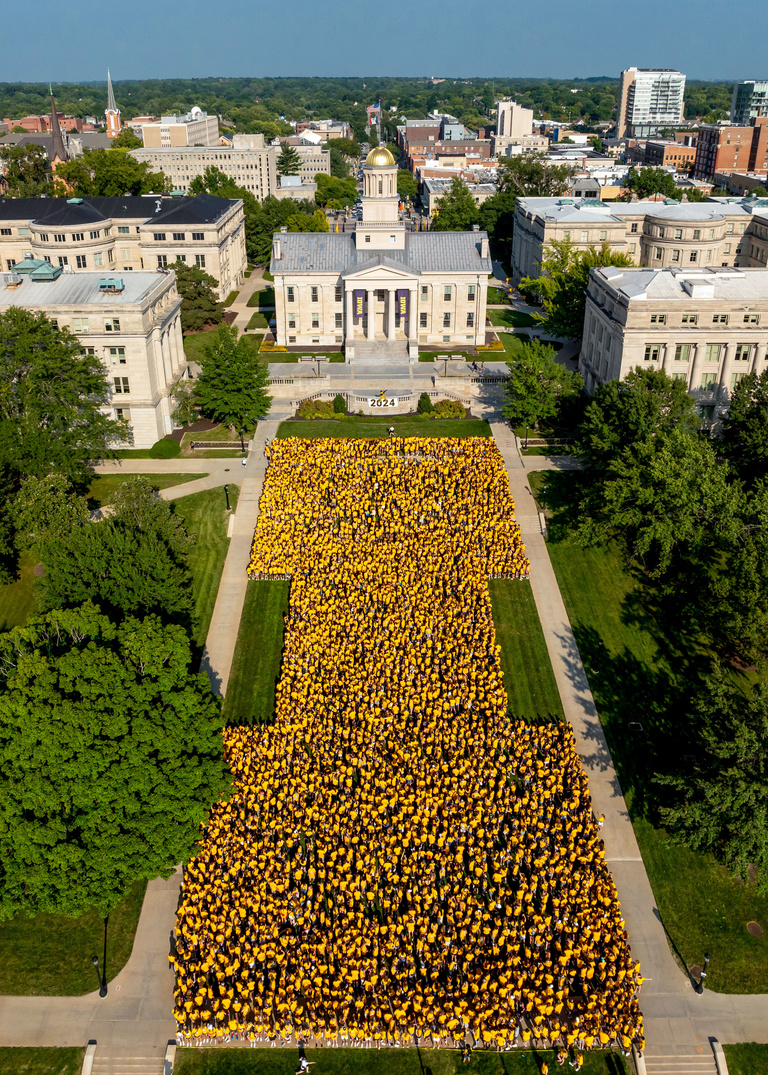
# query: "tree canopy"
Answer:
x=531 y=175
x=110 y=756
x=109 y=173
x=744 y=434
x=334 y=192
x=562 y=285
x=289 y=161
x=537 y=386
x=47 y=510
x=456 y=209
x=126 y=140
x=647 y=181
x=199 y=305
x=26 y=170
x=231 y=387
x=407 y=187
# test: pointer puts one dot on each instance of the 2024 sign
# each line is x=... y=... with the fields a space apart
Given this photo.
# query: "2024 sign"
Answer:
x=383 y=401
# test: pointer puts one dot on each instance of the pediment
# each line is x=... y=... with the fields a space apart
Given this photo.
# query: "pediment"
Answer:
x=380 y=268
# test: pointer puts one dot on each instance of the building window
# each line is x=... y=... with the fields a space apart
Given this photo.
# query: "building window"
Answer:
x=59 y=238
x=633 y=229
x=117 y=354
x=632 y=248
x=162 y=261
x=159 y=236
x=708 y=380
x=690 y=319
x=315 y=295
x=471 y=293
x=470 y=320
x=123 y=230
x=422 y=320
x=603 y=235
x=742 y=352
x=424 y=293
x=291 y=320
x=98 y=259
x=315 y=321
x=125 y=253
x=697 y=233
x=337 y=294
x=290 y=294
x=658 y=319
x=8 y=231
x=566 y=235
x=712 y=352
x=78 y=236
x=112 y=324
x=90 y=350
x=200 y=261
x=711 y=233
x=735 y=378
x=709 y=255
x=678 y=233
x=198 y=236
x=652 y=351
x=181 y=257
x=43 y=234
x=291 y=339
x=338 y=321
x=367 y=238
x=585 y=237
x=179 y=236
x=447 y=293
x=693 y=256
x=121 y=386
x=727 y=248
x=729 y=228
x=719 y=319
x=80 y=259
x=446 y=320
x=675 y=255
x=79 y=324
x=95 y=234
x=658 y=253
x=682 y=352
x=751 y=319
x=63 y=261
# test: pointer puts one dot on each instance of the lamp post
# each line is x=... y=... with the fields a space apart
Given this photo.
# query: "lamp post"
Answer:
x=226 y=495
x=699 y=987
x=102 y=979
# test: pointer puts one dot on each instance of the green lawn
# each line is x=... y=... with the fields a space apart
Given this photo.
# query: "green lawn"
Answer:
x=263 y=298
x=368 y=428
x=17 y=598
x=205 y=515
x=749 y=1059
x=41 y=1061
x=528 y=677
x=231 y=298
x=496 y=296
x=513 y=343
x=50 y=955
x=191 y=1061
x=511 y=318
x=196 y=342
x=103 y=486
x=258 y=320
x=641 y=671
x=250 y=697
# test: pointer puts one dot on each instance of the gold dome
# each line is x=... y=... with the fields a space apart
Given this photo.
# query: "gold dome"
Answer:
x=380 y=157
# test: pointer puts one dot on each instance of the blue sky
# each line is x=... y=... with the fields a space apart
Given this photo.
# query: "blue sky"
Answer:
x=706 y=39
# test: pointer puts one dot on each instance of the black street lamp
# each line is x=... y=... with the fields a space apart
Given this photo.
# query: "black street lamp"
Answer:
x=699 y=987
x=226 y=494
x=102 y=979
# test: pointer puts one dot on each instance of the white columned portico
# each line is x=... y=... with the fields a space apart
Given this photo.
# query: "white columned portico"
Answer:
x=391 y=295
x=371 y=322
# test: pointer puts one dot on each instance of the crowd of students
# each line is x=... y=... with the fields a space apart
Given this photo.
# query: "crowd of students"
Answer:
x=401 y=859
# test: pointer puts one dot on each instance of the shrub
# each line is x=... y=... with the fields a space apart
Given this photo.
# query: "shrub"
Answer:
x=167 y=448
x=339 y=404
x=425 y=405
x=315 y=408
x=497 y=345
x=449 y=408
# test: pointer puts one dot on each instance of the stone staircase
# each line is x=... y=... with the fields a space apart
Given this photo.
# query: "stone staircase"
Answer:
x=680 y=1062
x=380 y=351
x=112 y=1061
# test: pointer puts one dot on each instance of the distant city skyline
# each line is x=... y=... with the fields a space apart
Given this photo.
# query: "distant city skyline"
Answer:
x=440 y=38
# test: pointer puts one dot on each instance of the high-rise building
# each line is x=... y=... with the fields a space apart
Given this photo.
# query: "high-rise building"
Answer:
x=114 y=123
x=749 y=101
x=196 y=128
x=724 y=147
x=650 y=99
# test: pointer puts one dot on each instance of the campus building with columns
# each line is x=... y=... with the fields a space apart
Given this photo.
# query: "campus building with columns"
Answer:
x=707 y=327
x=382 y=291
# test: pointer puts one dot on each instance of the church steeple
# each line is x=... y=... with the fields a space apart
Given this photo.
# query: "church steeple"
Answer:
x=58 y=152
x=114 y=123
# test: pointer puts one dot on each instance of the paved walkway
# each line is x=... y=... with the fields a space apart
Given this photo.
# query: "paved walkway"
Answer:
x=678 y=1021
x=240 y=307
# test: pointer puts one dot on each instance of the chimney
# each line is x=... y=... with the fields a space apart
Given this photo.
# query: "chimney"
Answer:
x=485 y=249
x=475 y=227
x=277 y=252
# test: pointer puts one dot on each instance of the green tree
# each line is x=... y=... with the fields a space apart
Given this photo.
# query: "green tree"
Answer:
x=47 y=510
x=318 y=221
x=720 y=803
x=339 y=161
x=232 y=384
x=199 y=305
x=289 y=161
x=456 y=210
x=214 y=181
x=537 y=386
x=330 y=189
x=757 y=192
x=348 y=146
x=668 y=497
x=110 y=173
x=647 y=181
x=26 y=171
x=185 y=411
x=744 y=436
x=693 y=194
x=497 y=216
x=407 y=186
x=136 y=504
x=110 y=758
x=425 y=404
x=126 y=140
x=623 y=414
x=562 y=285
x=532 y=176
x=51 y=399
